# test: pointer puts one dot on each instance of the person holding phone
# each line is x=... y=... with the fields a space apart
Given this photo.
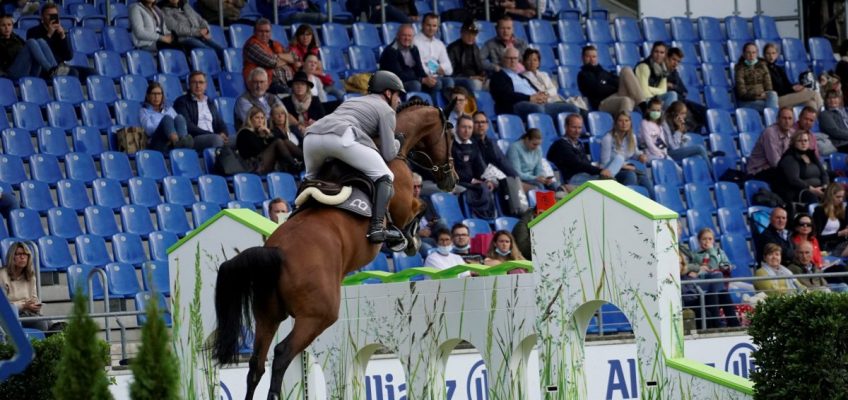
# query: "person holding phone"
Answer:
x=17 y=280
x=674 y=128
x=53 y=33
x=526 y=159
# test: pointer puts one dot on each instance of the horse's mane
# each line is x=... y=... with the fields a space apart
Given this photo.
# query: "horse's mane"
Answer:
x=415 y=102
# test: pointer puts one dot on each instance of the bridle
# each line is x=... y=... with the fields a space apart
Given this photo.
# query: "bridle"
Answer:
x=422 y=160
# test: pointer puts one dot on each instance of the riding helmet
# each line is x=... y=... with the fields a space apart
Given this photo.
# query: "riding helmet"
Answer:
x=385 y=80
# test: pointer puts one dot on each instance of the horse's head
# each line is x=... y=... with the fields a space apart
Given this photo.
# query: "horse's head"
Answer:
x=427 y=141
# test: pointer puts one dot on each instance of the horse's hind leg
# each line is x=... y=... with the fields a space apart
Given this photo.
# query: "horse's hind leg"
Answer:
x=265 y=331
x=305 y=330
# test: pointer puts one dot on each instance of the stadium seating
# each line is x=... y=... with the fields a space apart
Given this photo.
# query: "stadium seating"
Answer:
x=17 y=142
x=53 y=141
x=100 y=221
x=172 y=218
x=144 y=192
x=108 y=193
x=78 y=280
x=54 y=254
x=136 y=219
x=127 y=248
x=62 y=222
x=155 y=276
x=123 y=283
x=35 y=195
x=72 y=194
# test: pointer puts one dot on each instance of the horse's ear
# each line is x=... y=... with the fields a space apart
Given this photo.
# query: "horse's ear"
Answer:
x=449 y=108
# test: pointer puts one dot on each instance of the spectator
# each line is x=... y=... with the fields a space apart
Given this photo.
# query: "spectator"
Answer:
x=147 y=25
x=829 y=220
x=834 y=120
x=542 y=81
x=569 y=156
x=52 y=32
x=502 y=248
x=434 y=55
x=803 y=230
x=190 y=29
x=605 y=90
x=261 y=152
x=323 y=83
x=262 y=51
x=461 y=237
x=256 y=96
x=656 y=147
x=621 y=157
x=429 y=222
x=300 y=104
x=698 y=113
x=753 y=82
x=282 y=123
x=203 y=120
x=19 y=58
x=803 y=177
x=469 y=165
x=290 y=12
x=461 y=107
x=19 y=284
x=776 y=233
x=466 y=58
x=402 y=57
x=210 y=10
x=278 y=211
x=713 y=263
x=803 y=265
x=494 y=49
x=443 y=257
x=790 y=94
x=165 y=128
x=487 y=147
x=525 y=156
x=771 y=266
x=514 y=94
x=304 y=43
x=806 y=122
x=770 y=146
x=674 y=129
x=652 y=74
x=520 y=10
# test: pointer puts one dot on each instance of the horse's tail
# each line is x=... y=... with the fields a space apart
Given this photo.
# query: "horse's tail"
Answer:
x=248 y=278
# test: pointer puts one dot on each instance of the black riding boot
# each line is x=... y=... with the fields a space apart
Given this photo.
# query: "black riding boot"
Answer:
x=377 y=232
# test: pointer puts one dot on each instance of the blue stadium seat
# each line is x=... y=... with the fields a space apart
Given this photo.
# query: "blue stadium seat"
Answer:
x=108 y=193
x=695 y=170
x=17 y=142
x=793 y=50
x=72 y=194
x=740 y=256
x=61 y=115
x=720 y=121
x=4 y=233
x=510 y=127
x=655 y=30
x=485 y=103
x=731 y=220
x=362 y=59
x=127 y=248
x=604 y=58
x=241 y=204
x=545 y=124
x=571 y=31
x=52 y=141
x=140 y=62
x=115 y=165
x=598 y=31
x=505 y=223
x=80 y=166
x=699 y=219
x=134 y=87
x=63 y=222
x=45 y=168
x=231 y=84
x=172 y=218
x=389 y=31
x=715 y=75
x=159 y=242
x=202 y=211
x=144 y=192
x=151 y=164
x=136 y=219
x=127 y=113
x=379 y=263
x=765 y=28
x=627 y=54
x=335 y=35
x=155 y=276
x=34 y=90
x=100 y=88
x=718 y=97
x=567 y=79
x=12 y=171
x=35 y=195
x=141 y=301
x=282 y=185
x=96 y=114
x=447 y=207
x=723 y=142
x=172 y=86
x=600 y=123
x=728 y=195
x=123 y=283
x=68 y=88
x=402 y=261
x=821 y=50
x=561 y=9
x=233 y=61
x=117 y=39
x=174 y=62
x=747 y=140
x=737 y=28
x=84 y=40
x=78 y=280
x=542 y=32
x=366 y=35
x=54 y=253
x=477 y=226
x=25 y=224
x=627 y=30
x=570 y=55
x=748 y=120
x=752 y=187
x=709 y=28
x=184 y=162
x=837 y=162
x=794 y=70
x=27 y=116
x=712 y=52
x=204 y=60
x=226 y=107
x=100 y=221
x=665 y=173
x=248 y=187
x=333 y=61
x=690 y=57
x=239 y=33
x=178 y=190
x=698 y=196
x=7 y=93
x=213 y=189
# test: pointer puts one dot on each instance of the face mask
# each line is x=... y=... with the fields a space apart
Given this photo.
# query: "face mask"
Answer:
x=655 y=114
x=502 y=253
x=282 y=216
x=462 y=248
x=444 y=250
x=751 y=63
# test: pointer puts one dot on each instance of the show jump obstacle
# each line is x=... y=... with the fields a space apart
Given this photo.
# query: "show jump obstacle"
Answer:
x=602 y=243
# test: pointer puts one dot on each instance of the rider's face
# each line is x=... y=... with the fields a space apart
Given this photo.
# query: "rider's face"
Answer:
x=394 y=100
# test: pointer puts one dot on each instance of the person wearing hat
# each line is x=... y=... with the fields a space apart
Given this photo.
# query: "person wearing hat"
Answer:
x=257 y=95
x=361 y=133
x=303 y=107
x=466 y=60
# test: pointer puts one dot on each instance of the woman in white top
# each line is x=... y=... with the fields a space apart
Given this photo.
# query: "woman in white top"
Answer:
x=621 y=156
x=540 y=79
x=829 y=220
x=674 y=128
x=17 y=280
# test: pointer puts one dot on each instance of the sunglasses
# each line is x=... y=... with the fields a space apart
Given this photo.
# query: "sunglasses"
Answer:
x=805 y=224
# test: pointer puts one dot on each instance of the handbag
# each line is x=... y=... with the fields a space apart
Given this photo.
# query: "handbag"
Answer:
x=227 y=163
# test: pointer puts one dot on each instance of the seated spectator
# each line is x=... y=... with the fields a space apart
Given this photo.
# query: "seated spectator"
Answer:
x=262 y=51
x=304 y=43
x=18 y=281
x=771 y=266
x=323 y=83
x=605 y=90
x=802 y=176
x=806 y=122
x=165 y=128
x=52 y=32
x=525 y=155
x=834 y=120
x=487 y=147
x=278 y=210
x=713 y=263
x=652 y=132
x=830 y=223
x=502 y=248
x=190 y=29
x=514 y=94
x=202 y=118
x=443 y=257
x=569 y=156
x=292 y=11
x=434 y=55
x=403 y=58
x=652 y=74
x=20 y=58
x=261 y=152
x=256 y=96
x=466 y=59
x=674 y=129
x=620 y=154
x=698 y=113
x=210 y=10
x=285 y=127
x=461 y=107
x=493 y=51
x=776 y=233
x=753 y=82
x=789 y=94
x=300 y=104
x=803 y=265
x=520 y=10
x=469 y=165
x=770 y=146
x=804 y=231
x=461 y=237
x=542 y=81
x=147 y=26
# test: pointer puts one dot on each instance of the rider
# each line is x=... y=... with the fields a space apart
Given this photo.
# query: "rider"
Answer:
x=349 y=135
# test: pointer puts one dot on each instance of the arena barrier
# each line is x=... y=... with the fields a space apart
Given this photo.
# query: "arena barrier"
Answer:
x=602 y=243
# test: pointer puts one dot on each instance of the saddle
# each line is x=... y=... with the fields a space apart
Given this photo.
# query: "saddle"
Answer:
x=337 y=185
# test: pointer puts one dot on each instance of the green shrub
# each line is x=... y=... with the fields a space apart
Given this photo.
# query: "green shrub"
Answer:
x=802 y=346
x=155 y=367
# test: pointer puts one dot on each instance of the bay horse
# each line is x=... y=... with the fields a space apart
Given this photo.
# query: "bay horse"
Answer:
x=299 y=270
